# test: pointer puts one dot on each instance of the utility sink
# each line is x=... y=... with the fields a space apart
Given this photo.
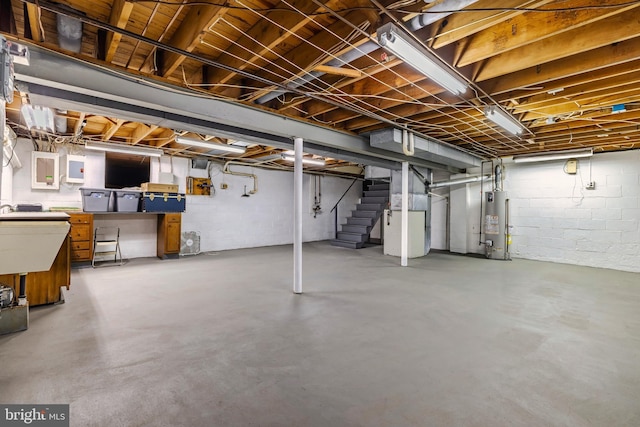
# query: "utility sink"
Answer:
x=30 y=241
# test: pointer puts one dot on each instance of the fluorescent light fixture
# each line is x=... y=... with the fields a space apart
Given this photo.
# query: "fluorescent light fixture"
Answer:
x=124 y=149
x=38 y=118
x=503 y=119
x=210 y=145
x=554 y=155
x=401 y=45
x=305 y=160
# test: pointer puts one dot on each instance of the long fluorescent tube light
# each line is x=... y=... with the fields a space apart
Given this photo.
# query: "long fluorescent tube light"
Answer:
x=395 y=41
x=553 y=155
x=210 y=145
x=37 y=117
x=504 y=120
x=124 y=149
x=305 y=160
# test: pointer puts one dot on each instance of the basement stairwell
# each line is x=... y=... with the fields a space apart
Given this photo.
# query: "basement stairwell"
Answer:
x=355 y=233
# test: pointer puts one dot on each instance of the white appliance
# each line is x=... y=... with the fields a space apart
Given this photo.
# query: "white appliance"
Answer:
x=393 y=233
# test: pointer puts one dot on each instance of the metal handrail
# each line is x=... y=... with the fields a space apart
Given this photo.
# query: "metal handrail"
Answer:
x=335 y=208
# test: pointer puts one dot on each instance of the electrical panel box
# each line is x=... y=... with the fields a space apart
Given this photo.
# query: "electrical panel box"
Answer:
x=571 y=166
x=75 y=169
x=45 y=171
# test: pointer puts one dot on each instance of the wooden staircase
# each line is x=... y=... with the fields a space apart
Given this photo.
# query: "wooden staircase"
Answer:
x=355 y=233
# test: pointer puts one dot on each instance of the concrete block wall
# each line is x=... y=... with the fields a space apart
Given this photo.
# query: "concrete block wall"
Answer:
x=225 y=220
x=555 y=218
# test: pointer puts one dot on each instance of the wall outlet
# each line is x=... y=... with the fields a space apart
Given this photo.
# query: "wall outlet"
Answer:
x=591 y=185
x=224 y=186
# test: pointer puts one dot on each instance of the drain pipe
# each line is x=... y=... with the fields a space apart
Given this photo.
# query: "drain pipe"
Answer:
x=467 y=180
x=408 y=143
x=436 y=13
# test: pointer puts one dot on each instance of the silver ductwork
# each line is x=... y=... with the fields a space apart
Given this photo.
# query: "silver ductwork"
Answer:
x=344 y=59
x=426 y=149
x=69 y=33
x=437 y=12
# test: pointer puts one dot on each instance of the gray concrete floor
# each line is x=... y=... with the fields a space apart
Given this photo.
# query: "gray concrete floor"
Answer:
x=220 y=340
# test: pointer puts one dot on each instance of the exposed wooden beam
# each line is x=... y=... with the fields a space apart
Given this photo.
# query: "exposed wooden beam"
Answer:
x=111 y=129
x=77 y=128
x=245 y=50
x=338 y=71
x=355 y=85
x=527 y=29
x=307 y=55
x=33 y=24
x=140 y=132
x=573 y=94
x=120 y=12
x=187 y=36
x=461 y=25
x=164 y=138
x=614 y=29
x=575 y=65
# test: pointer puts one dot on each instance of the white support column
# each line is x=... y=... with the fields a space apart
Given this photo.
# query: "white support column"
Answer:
x=297 y=217
x=404 y=223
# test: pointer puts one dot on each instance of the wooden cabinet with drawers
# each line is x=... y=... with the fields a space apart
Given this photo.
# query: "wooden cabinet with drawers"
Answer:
x=81 y=236
x=169 y=235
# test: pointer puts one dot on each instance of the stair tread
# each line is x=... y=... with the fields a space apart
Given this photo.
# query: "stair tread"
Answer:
x=346 y=244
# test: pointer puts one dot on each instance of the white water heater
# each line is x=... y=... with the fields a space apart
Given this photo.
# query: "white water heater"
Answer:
x=496 y=225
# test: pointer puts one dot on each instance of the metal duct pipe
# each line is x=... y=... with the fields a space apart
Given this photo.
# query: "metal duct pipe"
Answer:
x=445 y=9
x=341 y=60
x=437 y=12
x=69 y=33
x=458 y=181
x=60 y=124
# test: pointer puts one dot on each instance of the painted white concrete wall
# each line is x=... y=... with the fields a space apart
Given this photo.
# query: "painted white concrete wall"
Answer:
x=464 y=223
x=439 y=219
x=6 y=190
x=225 y=220
x=556 y=219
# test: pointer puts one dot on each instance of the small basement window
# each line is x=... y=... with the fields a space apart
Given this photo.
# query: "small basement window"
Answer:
x=126 y=170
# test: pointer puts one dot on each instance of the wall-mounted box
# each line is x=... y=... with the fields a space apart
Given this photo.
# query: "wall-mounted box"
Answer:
x=74 y=168
x=45 y=170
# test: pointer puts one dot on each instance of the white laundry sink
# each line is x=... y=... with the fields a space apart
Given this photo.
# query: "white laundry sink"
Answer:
x=30 y=241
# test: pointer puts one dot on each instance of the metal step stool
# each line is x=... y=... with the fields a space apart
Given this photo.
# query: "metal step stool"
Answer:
x=106 y=242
